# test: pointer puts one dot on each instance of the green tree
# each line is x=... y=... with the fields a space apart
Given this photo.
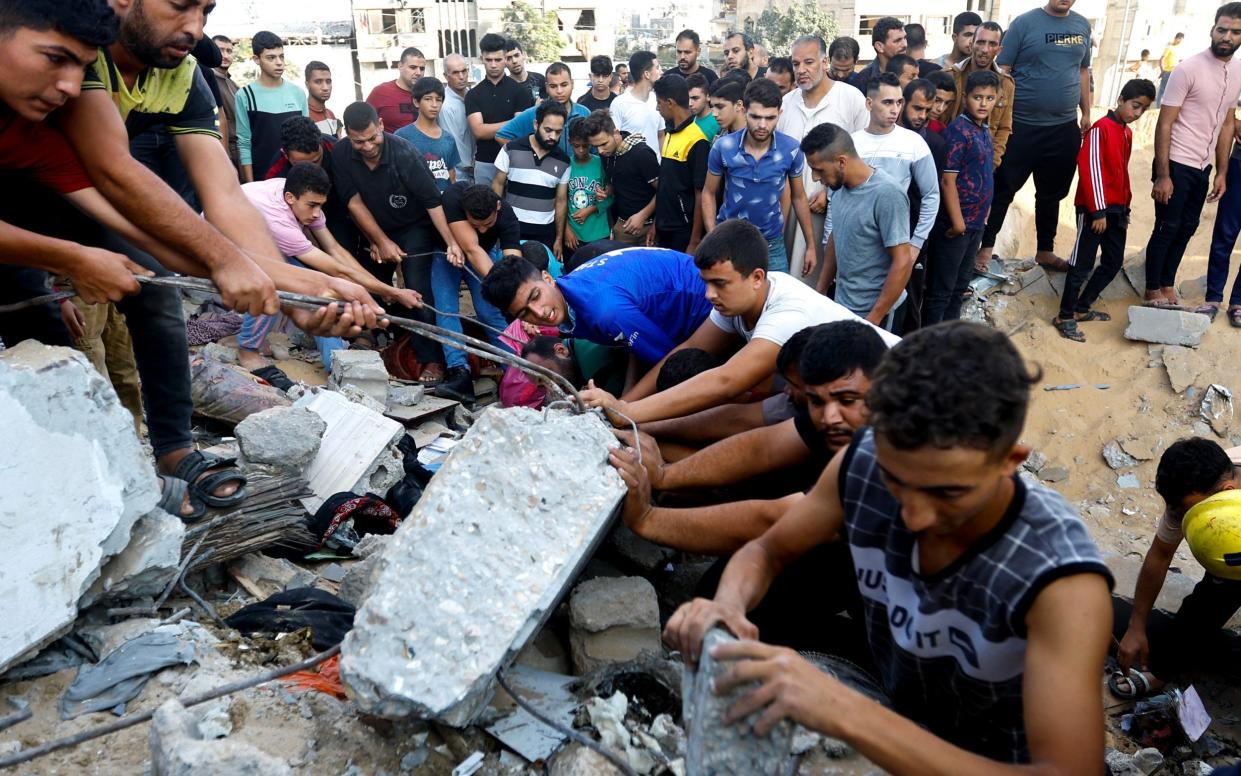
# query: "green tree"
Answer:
x=537 y=32
x=777 y=29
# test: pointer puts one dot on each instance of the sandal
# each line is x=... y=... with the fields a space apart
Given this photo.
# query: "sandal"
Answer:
x=1138 y=686
x=1093 y=315
x=1234 y=317
x=1162 y=303
x=1068 y=329
x=198 y=465
x=174 y=494
x=274 y=376
x=431 y=374
x=1210 y=310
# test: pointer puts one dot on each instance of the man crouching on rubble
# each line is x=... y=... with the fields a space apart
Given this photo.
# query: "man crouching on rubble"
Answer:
x=985 y=601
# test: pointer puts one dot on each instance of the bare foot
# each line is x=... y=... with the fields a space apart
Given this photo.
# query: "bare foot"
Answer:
x=1049 y=260
x=250 y=359
x=168 y=464
x=982 y=260
x=1169 y=293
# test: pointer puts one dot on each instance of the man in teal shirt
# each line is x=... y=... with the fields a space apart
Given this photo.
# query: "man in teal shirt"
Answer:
x=264 y=105
x=559 y=84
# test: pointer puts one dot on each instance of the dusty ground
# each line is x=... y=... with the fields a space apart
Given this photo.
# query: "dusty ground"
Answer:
x=316 y=734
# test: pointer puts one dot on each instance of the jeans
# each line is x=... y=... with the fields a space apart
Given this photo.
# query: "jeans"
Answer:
x=1083 y=260
x=951 y=268
x=416 y=271
x=254 y=331
x=1050 y=154
x=1175 y=224
x=1224 y=238
x=446 y=281
x=777 y=255
x=484 y=173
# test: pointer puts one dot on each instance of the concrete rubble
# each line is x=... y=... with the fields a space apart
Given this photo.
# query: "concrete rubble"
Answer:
x=286 y=438
x=1166 y=327
x=715 y=748
x=612 y=619
x=405 y=395
x=1183 y=366
x=1216 y=409
x=1116 y=457
x=470 y=577
x=64 y=417
x=271 y=575
x=363 y=369
x=358 y=452
x=178 y=748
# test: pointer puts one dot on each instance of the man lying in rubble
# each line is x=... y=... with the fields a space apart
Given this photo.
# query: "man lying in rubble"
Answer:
x=1199 y=483
x=644 y=299
x=836 y=364
x=985 y=601
x=755 y=312
x=44 y=49
x=292 y=207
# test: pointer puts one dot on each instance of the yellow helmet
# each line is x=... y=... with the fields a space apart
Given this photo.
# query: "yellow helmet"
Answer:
x=1213 y=529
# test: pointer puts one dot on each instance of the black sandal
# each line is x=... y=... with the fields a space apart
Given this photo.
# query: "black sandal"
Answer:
x=1068 y=329
x=1092 y=315
x=1234 y=317
x=275 y=376
x=197 y=463
x=175 y=492
x=1139 y=686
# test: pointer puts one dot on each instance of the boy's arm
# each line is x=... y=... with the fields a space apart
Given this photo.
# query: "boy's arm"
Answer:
x=243 y=135
x=1090 y=169
x=1133 y=649
x=707 y=336
x=732 y=460
x=706 y=205
x=952 y=203
x=562 y=212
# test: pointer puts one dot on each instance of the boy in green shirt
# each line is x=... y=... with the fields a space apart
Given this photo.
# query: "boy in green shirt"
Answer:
x=263 y=106
x=589 y=199
x=700 y=106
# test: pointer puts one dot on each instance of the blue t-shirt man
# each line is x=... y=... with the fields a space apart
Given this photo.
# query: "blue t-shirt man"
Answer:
x=647 y=299
x=522 y=125
x=752 y=187
x=440 y=153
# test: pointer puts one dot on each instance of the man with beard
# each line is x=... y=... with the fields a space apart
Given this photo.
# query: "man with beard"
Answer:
x=835 y=366
x=143 y=81
x=986 y=48
x=558 y=84
x=391 y=99
x=888 y=39
x=1196 y=127
x=689 y=48
x=755 y=313
x=739 y=55
x=532 y=174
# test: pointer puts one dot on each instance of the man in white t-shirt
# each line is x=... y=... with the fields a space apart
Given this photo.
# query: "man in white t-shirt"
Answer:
x=816 y=100
x=634 y=111
x=900 y=152
x=752 y=308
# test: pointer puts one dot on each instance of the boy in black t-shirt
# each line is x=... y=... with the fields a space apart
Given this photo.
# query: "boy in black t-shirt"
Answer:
x=491 y=104
x=632 y=171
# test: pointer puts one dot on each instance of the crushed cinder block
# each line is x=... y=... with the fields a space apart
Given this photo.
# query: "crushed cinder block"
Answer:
x=358 y=452
x=60 y=416
x=471 y=575
x=1216 y=409
x=1166 y=327
x=146 y=565
x=1183 y=366
x=362 y=368
x=715 y=747
x=612 y=619
x=358 y=580
x=286 y=438
x=355 y=394
x=271 y=575
x=405 y=395
x=178 y=748
x=1116 y=457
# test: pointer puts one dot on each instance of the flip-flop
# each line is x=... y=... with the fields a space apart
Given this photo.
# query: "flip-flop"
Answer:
x=1068 y=329
x=1234 y=317
x=1164 y=304
x=175 y=492
x=1139 y=686
x=275 y=376
x=1210 y=310
x=1093 y=315
x=197 y=463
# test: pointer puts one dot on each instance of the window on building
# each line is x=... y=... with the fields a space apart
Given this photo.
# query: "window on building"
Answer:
x=866 y=24
x=938 y=24
x=586 y=21
x=388 y=23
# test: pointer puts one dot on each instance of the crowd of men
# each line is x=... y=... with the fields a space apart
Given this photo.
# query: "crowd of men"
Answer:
x=727 y=262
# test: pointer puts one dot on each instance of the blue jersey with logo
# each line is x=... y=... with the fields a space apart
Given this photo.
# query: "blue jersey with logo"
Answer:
x=647 y=299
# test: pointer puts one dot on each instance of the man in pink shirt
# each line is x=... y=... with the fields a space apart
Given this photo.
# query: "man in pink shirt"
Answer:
x=1202 y=92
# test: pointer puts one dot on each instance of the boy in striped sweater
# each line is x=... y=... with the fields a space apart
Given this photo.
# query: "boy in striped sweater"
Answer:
x=1103 y=197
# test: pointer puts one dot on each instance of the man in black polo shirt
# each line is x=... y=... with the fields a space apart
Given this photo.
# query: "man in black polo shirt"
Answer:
x=632 y=170
x=491 y=104
x=479 y=220
x=682 y=168
x=393 y=199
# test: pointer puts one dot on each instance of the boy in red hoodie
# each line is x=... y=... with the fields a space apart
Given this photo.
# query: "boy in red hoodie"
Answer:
x=1103 y=197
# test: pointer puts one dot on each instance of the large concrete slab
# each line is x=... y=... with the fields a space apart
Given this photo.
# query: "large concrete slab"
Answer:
x=470 y=576
x=357 y=452
x=75 y=483
x=1166 y=327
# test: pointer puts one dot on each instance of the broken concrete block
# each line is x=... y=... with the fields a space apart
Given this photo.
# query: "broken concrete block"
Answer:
x=577 y=760
x=1183 y=366
x=271 y=575
x=1128 y=481
x=355 y=394
x=362 y=368
x=612 y=619
x=1143 y=448
x=1216 y=409
x=1053 y=473
x=405 y=395
x=146 y=565
x=222 y=353
x=60 y=418
x=358 y=452
x=471 y=575
x=1166 y=327
x=1034 y=462
x=715 y=747
x=358 y=580
x=286 y=438
x=1116 y=457
x=178 y=749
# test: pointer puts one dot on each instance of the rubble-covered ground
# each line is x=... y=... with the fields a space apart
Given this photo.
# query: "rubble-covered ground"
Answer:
x=1097 y=442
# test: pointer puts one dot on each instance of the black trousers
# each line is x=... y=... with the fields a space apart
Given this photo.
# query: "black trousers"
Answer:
x=542 y=233
x=1193 y=638
x=674 y=239
x=949 y=274
x=1175 y=224
x=1050 y=155
x=1112 y=241
x=416 y=272
x=911 y=319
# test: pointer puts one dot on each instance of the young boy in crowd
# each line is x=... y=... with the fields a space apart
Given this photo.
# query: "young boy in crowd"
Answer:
x=632 y=172
x=945 y=95
x=700 y=106
x=318 y=92
x=264 y=105
x=724 y=97
x=589 y=199
x=438 y=147
x=1103 y=197
x=966 y=189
